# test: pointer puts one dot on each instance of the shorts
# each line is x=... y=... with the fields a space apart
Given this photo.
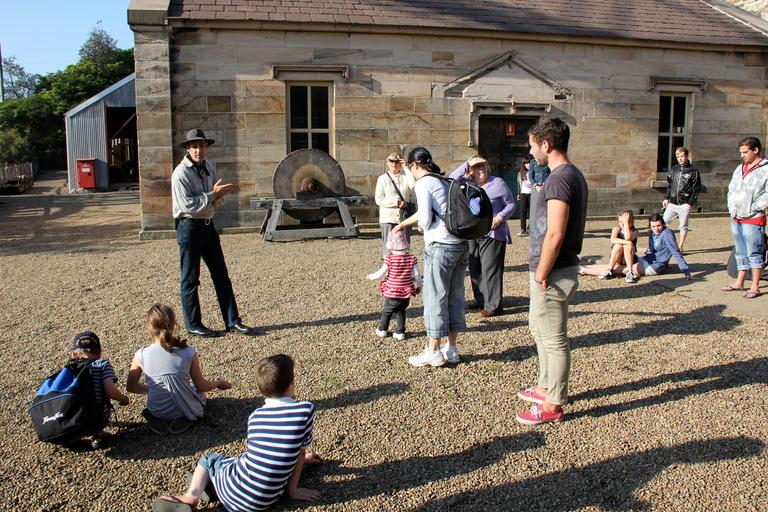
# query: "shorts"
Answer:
x=651 y=267
x=212 y=463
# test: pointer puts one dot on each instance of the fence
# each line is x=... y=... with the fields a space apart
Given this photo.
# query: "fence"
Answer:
x=16 y=178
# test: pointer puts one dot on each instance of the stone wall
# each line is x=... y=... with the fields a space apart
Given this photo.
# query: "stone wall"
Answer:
x=393 y=98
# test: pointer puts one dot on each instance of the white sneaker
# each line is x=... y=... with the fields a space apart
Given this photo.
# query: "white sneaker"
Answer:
x=399 y=336
x=451 y=354
x=606 y=275
x=631 y=277
x=381 y=334
x=428 y=358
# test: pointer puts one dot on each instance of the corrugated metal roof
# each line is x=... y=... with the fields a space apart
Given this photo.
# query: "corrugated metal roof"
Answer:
x=121 y=94
x=694 y=21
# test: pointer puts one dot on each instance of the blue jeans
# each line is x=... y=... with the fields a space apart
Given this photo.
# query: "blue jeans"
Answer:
x=212 y=463
x=444 y=268
x=200 y=241
x=748 y=239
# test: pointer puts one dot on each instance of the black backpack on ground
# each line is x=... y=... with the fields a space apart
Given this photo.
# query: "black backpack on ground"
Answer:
x=469 y=213
x=65 y=407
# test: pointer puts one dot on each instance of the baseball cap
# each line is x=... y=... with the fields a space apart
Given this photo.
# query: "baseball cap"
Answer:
x=86 y=339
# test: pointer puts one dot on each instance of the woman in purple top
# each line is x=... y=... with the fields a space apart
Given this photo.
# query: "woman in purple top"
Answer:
x=486 y=255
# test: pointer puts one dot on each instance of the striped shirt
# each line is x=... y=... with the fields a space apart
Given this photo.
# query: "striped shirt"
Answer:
x=276 y=434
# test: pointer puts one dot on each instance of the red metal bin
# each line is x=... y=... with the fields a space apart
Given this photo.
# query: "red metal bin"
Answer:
x=86 y=172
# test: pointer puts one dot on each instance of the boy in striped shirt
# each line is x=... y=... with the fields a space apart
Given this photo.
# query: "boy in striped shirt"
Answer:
x=278 y=435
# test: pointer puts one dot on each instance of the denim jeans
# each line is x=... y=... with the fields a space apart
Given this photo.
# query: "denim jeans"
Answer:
x=748 y=239
x=200 y=241
x=444 y=270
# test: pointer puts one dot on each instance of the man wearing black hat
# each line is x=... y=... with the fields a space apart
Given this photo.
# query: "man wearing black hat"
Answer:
x=196 y=192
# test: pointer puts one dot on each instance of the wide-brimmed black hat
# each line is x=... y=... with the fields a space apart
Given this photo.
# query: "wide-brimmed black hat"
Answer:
x=197 y=134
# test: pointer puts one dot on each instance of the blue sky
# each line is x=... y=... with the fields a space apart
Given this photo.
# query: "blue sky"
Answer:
x=45 y=35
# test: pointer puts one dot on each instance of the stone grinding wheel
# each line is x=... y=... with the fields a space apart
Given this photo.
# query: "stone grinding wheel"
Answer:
x=304 y=163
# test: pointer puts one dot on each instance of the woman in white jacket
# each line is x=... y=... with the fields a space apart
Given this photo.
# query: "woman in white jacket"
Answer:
x=747 y=201
x=389 y=201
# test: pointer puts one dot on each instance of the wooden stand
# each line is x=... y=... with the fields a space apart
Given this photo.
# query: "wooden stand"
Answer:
x=272 y=230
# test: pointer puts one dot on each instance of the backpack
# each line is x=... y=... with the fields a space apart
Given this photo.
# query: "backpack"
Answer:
x=65 y=407
x=469 y=212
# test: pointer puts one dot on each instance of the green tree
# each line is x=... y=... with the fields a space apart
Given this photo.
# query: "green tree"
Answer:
x=17 y=83
x=15 y=148
x=100 y=48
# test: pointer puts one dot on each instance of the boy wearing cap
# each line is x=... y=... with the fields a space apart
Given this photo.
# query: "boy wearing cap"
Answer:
x=88 y=346
x=196 y=192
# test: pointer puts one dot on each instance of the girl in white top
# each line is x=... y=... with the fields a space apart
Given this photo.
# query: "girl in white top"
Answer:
x=173 y=402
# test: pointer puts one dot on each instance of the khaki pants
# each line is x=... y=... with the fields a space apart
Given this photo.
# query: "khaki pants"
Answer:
x=548 y=322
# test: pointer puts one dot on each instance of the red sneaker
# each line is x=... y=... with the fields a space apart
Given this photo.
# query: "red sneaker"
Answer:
x=536 y=416
x=530 y=395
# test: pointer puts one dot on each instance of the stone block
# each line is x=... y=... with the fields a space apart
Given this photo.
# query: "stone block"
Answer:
x=638 y=111
x=151 y=52
x=317 y=40
x=260 y=104
x=636 y=96
x=194 y=36
x=757 y=114
x=598 y=95
x=433 y=137
x=251 y=38
x=483 y=45
x=411 y=58
x=683 y=57
x=701 y=70
x=153 y=122
x=442 y=58
x=348 y=121
x=156 y=205
x=379 y=41
x=207 y=53
x=390 y=120
x=268 y=137
x=219 y=104
x=450 y=122
x=155 y=155
x=739 y=127
x=157 y=227
x=194 y=88
x=248 y=88
x=721 y=114
x=361 y=137
x=413 y=89
x=744 y=73
x=751 y=100
x=155 y=188
x=402 y=138
x=401 y=105
x=641 y=172
x=596 y=124
x=184 y=105
x=155 y=138
x=150 y=36
x=153 y=87
x=261 y=121
x=580 y=109
x=215 y=121
x=231 y=171
x=160 y=70
x=600 y=181
x=439 y=43
x=628 y=81
x=353 y=152
x=267 y=153
x=207 y=71
x=150 y=171
x=611 y=110
x=353 y=90
x=432 y=105
x=367 y=105
x=643 y=139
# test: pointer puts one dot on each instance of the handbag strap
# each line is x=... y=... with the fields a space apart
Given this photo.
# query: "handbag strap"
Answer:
x=396 y=189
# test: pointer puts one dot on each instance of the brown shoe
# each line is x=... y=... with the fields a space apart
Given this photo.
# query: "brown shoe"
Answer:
x=473 y=305
x=486 y=314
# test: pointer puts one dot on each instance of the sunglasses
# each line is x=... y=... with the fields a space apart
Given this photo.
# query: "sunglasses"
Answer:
x=394 y=161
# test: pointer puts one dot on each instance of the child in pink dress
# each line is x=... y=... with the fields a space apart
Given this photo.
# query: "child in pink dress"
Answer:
x=403 y=280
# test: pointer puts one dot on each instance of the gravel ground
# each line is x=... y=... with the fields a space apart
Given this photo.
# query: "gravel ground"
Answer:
x=668 y=392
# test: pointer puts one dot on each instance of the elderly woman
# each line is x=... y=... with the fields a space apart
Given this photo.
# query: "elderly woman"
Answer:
x=445 y=258
x=486 y=255
x=394 y=189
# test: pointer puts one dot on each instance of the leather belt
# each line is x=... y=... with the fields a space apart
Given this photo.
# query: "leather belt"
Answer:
x=197 y=221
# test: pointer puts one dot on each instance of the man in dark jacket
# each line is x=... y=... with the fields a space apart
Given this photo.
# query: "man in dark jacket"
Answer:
x=683 y=186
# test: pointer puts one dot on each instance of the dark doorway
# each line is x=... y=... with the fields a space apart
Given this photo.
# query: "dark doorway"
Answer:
x=122 y=148
x=504 y=142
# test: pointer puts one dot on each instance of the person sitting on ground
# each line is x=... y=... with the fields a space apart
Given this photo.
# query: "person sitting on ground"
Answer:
x=278 y=435
x=662 y=246
x=623 y=251
x=173 y=403
x=403 y=280
x=88 y=346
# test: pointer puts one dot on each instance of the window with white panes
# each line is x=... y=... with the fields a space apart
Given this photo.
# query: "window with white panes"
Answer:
x=309 y=116
x=674 y=123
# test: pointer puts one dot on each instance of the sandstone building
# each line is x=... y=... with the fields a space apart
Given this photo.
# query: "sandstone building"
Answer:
x=363 y=78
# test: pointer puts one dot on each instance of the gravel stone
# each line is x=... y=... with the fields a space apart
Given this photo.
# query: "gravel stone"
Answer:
x=668 y=396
